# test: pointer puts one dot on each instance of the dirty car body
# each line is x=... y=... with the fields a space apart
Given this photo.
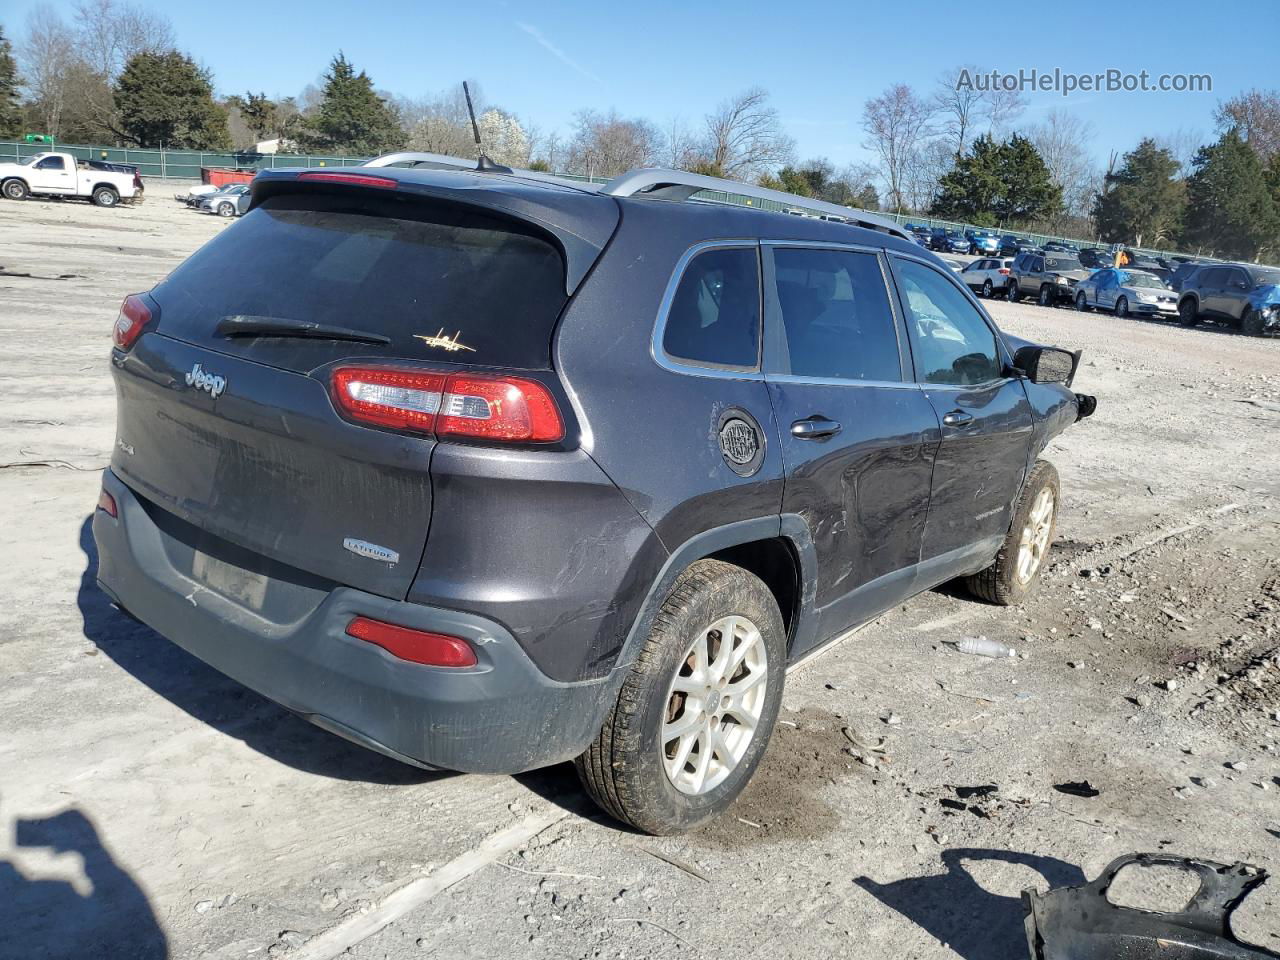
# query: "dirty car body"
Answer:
x=509 y=414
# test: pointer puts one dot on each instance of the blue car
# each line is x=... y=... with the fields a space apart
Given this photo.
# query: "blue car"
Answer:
x=981 y=242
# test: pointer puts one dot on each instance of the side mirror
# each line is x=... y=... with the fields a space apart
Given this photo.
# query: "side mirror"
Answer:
x=1047 y=364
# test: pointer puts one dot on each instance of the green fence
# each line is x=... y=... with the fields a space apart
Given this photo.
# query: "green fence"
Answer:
x=175 y=164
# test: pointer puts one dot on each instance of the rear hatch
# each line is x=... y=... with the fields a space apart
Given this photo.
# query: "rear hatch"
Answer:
x=225 y=415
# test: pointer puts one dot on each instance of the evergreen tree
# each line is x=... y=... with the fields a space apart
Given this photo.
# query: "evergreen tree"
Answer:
x=10 y=111
x=164 y=98
x=998 y=182
x=1145 y=198
x=1230 y=210
x=1029 y=191
x=352 y=118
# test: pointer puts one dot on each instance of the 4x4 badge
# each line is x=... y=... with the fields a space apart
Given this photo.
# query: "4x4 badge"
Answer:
x=741 y=441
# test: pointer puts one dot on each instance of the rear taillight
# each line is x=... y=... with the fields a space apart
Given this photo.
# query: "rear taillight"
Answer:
x=1004 y=271
x=133 y=317
x=481 y=406
x=416 y=646
x=354 y=179
x=107 y=503
x=137 y=179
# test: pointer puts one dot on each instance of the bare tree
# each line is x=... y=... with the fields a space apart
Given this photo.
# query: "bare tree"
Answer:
x=605 y=145
x=959 y=107
x=109 y=34
x=441 y=124
x=897 y=124
x=1256 y=114
x=744 y=136
x=1002 y=107
x=1063 y=141
x=681 y=150
x=46 y=56
x=1184 y=144
x=548 y=152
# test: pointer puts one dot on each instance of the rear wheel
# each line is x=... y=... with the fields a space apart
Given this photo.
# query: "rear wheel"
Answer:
x=987 y=288
x=1019 y=563
x=695 y=714
x=1122 y=307
x=1188 y=316
x=1251 y=323
x=15 y=190
x=105 y=196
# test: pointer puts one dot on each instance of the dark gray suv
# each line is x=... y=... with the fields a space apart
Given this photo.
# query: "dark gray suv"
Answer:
x=1241 y=295
x=486 y=470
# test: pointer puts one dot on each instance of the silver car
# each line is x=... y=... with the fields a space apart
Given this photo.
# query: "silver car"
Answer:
x=223 y=201
x=1126 y=291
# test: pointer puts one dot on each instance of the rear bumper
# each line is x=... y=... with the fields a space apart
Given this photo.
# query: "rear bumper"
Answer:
x=501 y=716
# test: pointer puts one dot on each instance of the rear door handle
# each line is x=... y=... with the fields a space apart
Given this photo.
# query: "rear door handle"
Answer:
x=957 y=418
x=814 y=428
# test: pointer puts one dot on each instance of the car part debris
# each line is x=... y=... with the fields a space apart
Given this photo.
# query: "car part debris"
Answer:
x=982 y=647
x=1077 y=788
x=1080 y=923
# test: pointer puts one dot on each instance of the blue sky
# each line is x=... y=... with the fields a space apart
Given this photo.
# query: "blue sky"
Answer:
x=819 y=60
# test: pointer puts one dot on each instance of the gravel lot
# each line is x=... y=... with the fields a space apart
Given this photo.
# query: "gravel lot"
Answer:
x=150 y=807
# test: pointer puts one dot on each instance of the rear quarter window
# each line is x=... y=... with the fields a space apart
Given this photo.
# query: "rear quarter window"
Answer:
x=714 y=316
x=440 y=281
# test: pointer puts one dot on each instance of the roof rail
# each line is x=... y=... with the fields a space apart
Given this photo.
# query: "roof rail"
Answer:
x=681 y=185
x=435 y=161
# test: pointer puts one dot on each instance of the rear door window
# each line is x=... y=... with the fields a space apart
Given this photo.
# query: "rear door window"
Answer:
x=836 y=317
x=714 y=317
x=438 y=281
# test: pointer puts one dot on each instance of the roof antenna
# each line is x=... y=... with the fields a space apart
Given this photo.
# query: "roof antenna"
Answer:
x=483 y=163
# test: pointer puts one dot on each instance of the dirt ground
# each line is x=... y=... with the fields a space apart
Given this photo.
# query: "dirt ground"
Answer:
x=150 y=807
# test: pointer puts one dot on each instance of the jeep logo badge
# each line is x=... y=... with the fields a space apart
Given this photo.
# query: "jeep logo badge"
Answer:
x=211 y=383
x=741 y=442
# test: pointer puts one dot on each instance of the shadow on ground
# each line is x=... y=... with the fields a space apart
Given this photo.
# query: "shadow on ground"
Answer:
x=212 y=698
x=80 y=906
x=958 y=911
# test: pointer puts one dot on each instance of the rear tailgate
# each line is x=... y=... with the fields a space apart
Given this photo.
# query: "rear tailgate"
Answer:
x=238 y=435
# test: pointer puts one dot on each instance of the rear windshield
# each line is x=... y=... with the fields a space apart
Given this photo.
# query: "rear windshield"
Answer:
x=439 y=281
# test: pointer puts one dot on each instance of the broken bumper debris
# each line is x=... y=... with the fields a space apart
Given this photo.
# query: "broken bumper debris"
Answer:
x=1080 y=923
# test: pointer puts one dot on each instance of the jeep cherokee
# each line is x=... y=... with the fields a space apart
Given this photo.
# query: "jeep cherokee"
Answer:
x=486 y=471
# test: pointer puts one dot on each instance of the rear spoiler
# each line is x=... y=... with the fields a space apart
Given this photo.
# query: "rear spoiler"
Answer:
x=580 y=223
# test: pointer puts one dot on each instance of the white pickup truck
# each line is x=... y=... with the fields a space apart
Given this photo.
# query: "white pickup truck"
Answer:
x=62 y=175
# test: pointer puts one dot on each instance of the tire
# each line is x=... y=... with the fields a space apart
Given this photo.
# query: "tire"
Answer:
x=1188 y=316
x=1045 y=299
x=987 y=288
x=226 y=210
x=1122 y=307
x=1251 y=324
x=15 y=189
x=626 y=769
x=1082 y=302
x=1012 y=577
x=1012 y=292
x=105 y=197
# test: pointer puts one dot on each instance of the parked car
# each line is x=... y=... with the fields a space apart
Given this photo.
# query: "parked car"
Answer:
x=1058 y=246
x=1011 y=246
x=1125 y=291
x=1245 y=296
x=948 y=241
x=61 y=175
x=1050 y=277
x=987 y=275
x=922 y=237
x=982 y=242
x=1183 y=270
x=1152 y=265
x=1095 y=258
x=224 y=201
x=379 y=520
x=196 y=193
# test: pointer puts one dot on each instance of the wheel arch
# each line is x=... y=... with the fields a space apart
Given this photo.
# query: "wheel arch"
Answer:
x=105 y=183
x=777 y=549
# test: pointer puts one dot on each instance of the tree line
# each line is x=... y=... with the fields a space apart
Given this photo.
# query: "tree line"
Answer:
x=113 y=73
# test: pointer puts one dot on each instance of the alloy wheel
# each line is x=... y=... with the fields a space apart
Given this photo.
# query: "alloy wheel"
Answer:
x=714 y=705
x=1033 y=545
